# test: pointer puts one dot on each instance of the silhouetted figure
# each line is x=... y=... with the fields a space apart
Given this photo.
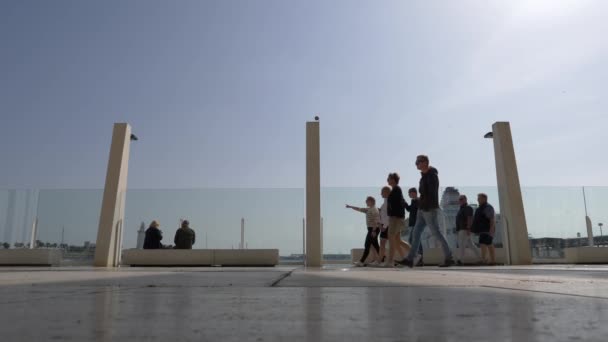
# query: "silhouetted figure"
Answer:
x=184 y=236
x=484 y=224
x=153 y=236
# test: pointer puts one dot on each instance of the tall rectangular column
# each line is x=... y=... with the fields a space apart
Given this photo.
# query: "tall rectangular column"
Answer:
x=109 y=233
x=314 y=238
x=515 y=233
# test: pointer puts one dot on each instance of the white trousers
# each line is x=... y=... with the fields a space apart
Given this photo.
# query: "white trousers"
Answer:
x=464 y=242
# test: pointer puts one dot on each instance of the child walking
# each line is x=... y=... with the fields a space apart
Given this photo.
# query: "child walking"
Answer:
x=372 y=218
x=384 y=223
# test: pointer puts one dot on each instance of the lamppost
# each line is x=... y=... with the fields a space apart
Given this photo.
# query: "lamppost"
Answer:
x=601 y=235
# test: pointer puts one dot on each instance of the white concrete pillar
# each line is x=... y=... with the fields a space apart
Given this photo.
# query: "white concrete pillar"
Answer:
x=515 y=238
x=109 y=235
x=314 y=238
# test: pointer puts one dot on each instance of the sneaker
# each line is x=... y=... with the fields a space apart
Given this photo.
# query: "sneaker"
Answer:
x=406 y=262
x=447 y=263
x=373 y=264
x=358 y=264
x=418 y=261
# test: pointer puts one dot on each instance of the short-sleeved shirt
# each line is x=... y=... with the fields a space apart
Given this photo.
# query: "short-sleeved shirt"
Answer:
x=489 y=212
x=372 y=216
x=463 y=216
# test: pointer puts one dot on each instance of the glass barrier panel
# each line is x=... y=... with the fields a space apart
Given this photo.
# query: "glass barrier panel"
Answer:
x=597 y=209
x=273 y=218
x=68 y=219
x=17 y=212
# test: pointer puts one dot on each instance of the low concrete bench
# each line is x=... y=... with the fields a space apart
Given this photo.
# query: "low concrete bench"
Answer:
x=200 y=257
x=434 y=256
x=30 y=257
x=586 y=255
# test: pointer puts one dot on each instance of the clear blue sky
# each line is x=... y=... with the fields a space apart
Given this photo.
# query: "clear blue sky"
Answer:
x=219 y=91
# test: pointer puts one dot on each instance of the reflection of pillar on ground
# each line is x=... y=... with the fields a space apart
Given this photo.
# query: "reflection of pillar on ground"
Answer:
x=313 y=196
x=515 y=241
x=109 y=234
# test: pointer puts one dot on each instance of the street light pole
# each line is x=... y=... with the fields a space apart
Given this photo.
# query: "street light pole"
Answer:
x=601 y=234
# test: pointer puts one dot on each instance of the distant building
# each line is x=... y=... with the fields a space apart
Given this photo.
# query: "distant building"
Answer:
x=141 y=235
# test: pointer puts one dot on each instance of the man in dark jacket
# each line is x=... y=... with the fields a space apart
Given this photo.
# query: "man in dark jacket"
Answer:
x=153 y=236
x=184 y=236
x=428 y=213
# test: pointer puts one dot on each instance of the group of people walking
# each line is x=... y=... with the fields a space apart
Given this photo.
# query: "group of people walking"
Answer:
x=184 y=236
x=389 y=222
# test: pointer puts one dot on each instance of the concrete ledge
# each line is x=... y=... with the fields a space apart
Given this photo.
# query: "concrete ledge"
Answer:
x=434 y=256
x=246 y=257
x=167 y=257
x=586 y=255
x=30 y=257
x=200 y=257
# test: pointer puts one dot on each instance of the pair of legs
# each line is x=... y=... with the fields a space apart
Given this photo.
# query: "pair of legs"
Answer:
x=383 y=242
x=395 y=226
x=429 y=219
x=464 y=242
x=410 y=238
x=371 y=240
x=486 y=242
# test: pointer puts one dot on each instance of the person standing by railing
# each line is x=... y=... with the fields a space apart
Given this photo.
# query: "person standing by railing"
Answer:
x=464 y=223
x=484 y=224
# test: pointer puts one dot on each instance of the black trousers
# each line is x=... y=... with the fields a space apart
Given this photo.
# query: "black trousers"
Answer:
x=370 y=240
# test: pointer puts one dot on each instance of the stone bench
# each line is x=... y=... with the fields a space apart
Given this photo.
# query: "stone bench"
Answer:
x=30 y=257
x=586 y=255
x=434 y=256
x=200 y=257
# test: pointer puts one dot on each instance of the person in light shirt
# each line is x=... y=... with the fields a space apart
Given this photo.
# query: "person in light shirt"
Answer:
x=372 y=219
x=384 y=222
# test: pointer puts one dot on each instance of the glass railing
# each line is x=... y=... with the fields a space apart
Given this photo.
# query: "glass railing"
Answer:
x=17 y=214
x=273 y=218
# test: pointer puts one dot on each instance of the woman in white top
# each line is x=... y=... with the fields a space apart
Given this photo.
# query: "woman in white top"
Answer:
x=384 y=223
